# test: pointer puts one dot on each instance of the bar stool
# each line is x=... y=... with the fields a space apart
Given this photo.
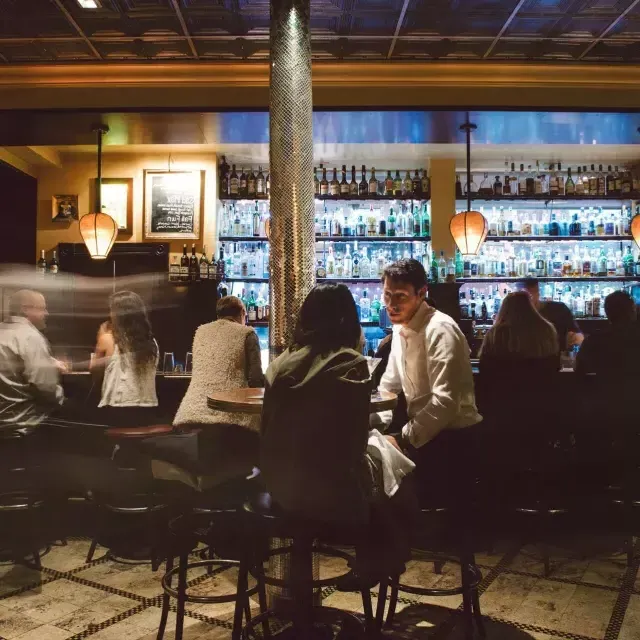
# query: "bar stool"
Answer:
x=470 y=578
x=272 y=522
x=147 y=503
x=20 y=495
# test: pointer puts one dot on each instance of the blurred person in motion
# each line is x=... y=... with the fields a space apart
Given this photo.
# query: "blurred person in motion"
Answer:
x=429 y=362
x=558 y=314
x=615 y=350
x=316 y=452
x=126 y=358
x=221 y=445
x=30 y=387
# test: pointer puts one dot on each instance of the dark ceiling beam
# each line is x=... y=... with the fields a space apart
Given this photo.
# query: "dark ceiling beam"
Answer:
x=403 y=11
x=183 y=24
x=76 y=26
x=609 y=28
x=505 y=26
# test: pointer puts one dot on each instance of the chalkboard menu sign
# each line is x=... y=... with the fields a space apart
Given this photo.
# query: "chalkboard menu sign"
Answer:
x=172 y=204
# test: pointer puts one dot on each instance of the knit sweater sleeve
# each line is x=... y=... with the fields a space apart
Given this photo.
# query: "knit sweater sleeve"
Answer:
x=253 y=362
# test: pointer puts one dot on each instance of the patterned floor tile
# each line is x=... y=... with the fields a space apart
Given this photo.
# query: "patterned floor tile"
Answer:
x=13 y=625
x=139 y=580
x=198 y=631
x=506 y=595
x=588 y=613
x=46 y=632
x=149 y=619
x=78 y=594
x=14 y=577
x=67 y=557
x=631 y=625
x=124 y=630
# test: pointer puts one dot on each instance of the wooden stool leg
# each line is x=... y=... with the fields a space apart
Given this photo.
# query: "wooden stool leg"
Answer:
x=182 y=593
x=382 y=601
x=369 y=621
x=166 y=601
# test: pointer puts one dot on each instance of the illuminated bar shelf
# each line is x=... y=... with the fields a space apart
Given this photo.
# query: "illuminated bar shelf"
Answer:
x=244 y=279
x=344 y=198
x=551 y=279
x=559 y=238
x=545 y=197
x=365 y=239
x=243 y=239
x=350 y=280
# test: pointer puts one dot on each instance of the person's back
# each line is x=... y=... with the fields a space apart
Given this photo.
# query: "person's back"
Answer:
x=29 y=377
x=226 y=355
x=314 y=433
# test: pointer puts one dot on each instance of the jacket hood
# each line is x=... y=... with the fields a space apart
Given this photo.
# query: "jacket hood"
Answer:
x=295 y=369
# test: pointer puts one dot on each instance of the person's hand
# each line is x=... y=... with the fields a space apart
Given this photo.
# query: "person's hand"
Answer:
x=62 y=366
x=394 y=442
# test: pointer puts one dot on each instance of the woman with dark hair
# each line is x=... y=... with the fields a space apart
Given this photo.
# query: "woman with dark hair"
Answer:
x=315 y=431
x=127 y=355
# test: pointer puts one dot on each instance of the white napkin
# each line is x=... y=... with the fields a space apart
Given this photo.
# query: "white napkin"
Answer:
x=395 y=465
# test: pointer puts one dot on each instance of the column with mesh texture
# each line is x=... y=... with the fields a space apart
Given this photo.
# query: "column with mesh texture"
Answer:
x=292 y=268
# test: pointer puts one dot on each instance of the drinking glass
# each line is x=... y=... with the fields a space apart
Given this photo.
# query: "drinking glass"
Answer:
x=168 y=363
x=188 y=363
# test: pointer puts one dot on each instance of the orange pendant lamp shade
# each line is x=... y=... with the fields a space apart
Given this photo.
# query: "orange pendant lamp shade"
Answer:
x=469 y=229
x=99 y=231
x=635 y=228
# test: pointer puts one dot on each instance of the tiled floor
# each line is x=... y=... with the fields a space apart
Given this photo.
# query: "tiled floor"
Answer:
x=587 y=597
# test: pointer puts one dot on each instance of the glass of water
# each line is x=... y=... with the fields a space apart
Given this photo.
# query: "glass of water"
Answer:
x=188 y=362
x=168 y=363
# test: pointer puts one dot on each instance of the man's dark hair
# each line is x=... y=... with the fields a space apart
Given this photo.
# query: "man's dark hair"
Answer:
x=328 y=320
x=229 y=307
x=620 y=307
x=528 y=284
x=407 y=271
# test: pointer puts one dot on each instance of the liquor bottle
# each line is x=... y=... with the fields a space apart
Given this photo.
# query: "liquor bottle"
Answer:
x=375 y=309
x=522 y=182
x=459 y=264
x=355 y=265
x=353 y=185
x=321 y=271
x=344 y=185
x=442 y=268
x=426 y=184
x=560 y=178
x=397 y=184
x=425 y=223
x=407 y=185
x=553 y=182
x=184 y=265
x=610 y=182
x=252 y=307
x=373 y=183
x=593 y=181
x=391 y=224
x=194 y=270
x=256 y=222
x=388 y=185
x=601 y=188
x=458 y=187
x=261 y=189
x=433 y=271
x=628 y=262
x=626 y=183
x=251 y=185
x=204 y=265
x=316 y=182
x=54 y=266
x=363 y=187
x=174 y=270
x=348 y=263
x=569 y=187
x=365 y=307
x=334 y=185
x=486 y=189
x=242 y=187
x=224 y=178
x=361 y=227
x=530 y=182
x=220 y=266
x=497 y=187
x=617 y=177
x=365 y=265
x=416 y=184
x=537 y=180
x=212 y=268
x=324 y=185
x=234 y=182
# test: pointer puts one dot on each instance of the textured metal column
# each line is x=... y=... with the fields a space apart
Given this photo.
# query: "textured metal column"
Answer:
x=291 y=168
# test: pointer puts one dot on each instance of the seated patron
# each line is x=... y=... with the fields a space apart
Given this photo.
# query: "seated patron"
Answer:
x=29 y=376
x=315 y=431
x=429 y=362
x=126 y=357
x=615 y=350
x=558 y=314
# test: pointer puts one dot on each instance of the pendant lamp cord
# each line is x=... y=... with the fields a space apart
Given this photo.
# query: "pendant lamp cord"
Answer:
x=468 y=127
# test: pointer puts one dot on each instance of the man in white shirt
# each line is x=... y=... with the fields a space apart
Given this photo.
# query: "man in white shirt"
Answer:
x=29 y=376
x=429 y=362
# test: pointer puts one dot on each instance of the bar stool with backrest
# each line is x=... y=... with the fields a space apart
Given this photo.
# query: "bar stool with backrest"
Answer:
x=21 y=499
x=303 y=539
x=146 y=502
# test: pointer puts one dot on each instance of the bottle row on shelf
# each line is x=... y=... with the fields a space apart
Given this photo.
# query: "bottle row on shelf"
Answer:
x=553 y=182
x=577 y=222
x=482 y=303
x=47 y=268
x=577 y=262
x=191 y=269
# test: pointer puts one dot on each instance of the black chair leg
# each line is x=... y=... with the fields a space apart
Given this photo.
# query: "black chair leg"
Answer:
x=242 y=601
x=393 y=601
x=477 y=614
x=467 y=608
x=262 y=599
x=92 y=550
x=437 y=566
x=182 y=593
x=302 y=586
x=166 y=601
x=369 y=621
x=382 y=602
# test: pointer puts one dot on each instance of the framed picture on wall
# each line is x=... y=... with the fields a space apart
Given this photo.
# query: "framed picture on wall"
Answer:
x=64 y=208
x=117 y=200
x=173 y=204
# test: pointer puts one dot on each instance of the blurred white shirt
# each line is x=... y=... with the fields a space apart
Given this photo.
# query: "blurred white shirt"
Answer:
x=429 y=362
x=29 y=377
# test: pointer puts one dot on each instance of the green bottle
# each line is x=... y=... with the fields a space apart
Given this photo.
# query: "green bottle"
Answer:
x=375 y=309
x=391 y=224
x=459 y=265
x=425 y=223
x=433 y=272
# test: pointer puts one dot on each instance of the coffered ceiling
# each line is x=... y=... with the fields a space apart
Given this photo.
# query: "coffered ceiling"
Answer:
x=50 y=31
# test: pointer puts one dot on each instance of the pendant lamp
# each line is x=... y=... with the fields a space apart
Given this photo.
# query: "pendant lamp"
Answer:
x=99 y=230
x=468 y=228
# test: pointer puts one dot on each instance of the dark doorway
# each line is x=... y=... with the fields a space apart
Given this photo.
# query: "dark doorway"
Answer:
x=18 y=211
